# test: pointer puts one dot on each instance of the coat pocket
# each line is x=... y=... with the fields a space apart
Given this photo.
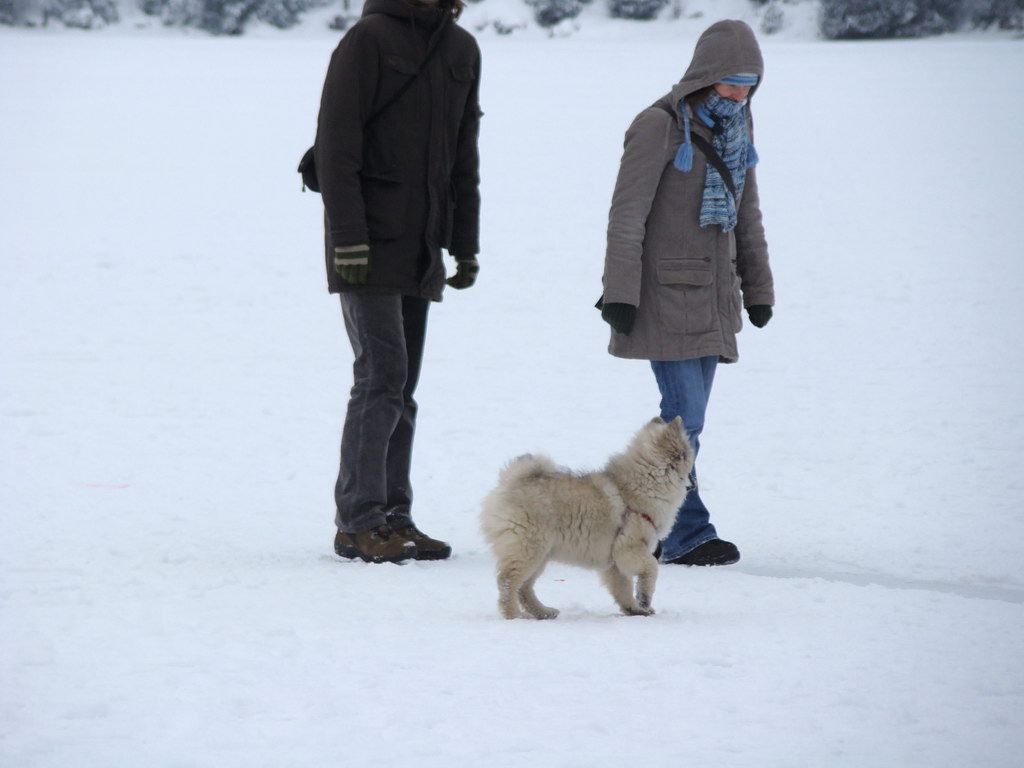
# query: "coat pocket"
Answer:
x=686 y=295
x=458 y=82
x=385 y=199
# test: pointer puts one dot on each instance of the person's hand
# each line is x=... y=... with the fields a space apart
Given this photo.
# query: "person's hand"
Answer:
x=466 y=269
x=352 y=263
x=619 y=316
x=759 y=314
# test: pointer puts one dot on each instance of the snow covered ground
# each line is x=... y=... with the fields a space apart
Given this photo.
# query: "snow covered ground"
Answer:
x=174 y=378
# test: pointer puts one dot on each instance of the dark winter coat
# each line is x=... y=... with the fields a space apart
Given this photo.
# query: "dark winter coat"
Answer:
x=408 y=183
x=685 y=280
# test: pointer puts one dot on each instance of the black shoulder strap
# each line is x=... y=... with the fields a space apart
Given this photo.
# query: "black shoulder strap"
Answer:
x=434 y=45
x=307 y=166
x=715 y=159
x=709 y=152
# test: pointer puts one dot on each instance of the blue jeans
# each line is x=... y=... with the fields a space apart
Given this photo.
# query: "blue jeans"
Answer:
x=685 y=390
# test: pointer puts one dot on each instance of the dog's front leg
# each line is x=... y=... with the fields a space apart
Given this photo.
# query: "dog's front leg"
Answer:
x=645 y=582
x=621 y=587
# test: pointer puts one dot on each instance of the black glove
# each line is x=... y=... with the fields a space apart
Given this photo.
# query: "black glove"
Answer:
x=759 y=314
x=466 y=269
x=352 y=263
x=619 y=316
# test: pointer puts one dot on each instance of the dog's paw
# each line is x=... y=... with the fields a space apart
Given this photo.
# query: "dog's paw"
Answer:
x=637 y=610
x=546 y=613
x=508 y=610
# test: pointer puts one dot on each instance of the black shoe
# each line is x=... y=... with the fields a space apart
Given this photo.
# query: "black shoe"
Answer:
x=426 y=547
x=714 y=552
x=657 y=552
x=377 y=545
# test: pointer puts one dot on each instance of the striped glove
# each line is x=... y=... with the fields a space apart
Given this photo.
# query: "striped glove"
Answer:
x=352 y=263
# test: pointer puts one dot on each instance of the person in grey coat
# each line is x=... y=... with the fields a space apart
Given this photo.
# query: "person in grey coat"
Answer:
x=397 y=163
x=686 y=249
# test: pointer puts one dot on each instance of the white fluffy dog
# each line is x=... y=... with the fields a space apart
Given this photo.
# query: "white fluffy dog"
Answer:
x=608 y=521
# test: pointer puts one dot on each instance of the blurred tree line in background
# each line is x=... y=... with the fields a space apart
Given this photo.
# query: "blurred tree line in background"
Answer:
x=837 y=19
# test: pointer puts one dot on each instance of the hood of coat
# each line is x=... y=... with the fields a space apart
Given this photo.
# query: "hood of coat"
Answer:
x=726 y=48
x=426 y=16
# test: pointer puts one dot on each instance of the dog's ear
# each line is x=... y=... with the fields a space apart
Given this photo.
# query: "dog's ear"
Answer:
x=679 y=420
x=656 y=420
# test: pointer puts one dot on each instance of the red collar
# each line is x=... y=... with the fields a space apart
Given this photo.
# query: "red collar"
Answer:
x=644 y=515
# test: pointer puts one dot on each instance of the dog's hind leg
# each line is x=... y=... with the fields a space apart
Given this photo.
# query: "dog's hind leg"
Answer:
x=621 y=587
x=516 y=576
x=509 y=581
x=530 y=602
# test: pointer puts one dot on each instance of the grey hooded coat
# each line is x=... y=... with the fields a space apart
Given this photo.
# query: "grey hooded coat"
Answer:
x=687 y=282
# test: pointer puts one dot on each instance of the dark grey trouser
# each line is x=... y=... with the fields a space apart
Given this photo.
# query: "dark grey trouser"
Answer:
x=387 y=332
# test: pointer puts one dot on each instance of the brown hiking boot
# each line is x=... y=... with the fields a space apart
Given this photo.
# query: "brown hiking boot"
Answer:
x=426 y=547
x=377 y=545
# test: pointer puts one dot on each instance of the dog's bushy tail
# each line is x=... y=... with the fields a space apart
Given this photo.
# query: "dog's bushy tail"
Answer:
x=500 y=513
x=526 y=467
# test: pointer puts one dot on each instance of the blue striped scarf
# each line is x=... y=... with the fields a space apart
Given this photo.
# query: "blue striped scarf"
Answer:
x=731 y=140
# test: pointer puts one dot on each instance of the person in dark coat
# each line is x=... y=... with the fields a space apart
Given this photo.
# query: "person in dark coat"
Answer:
x=398 y=167
x=687 y=249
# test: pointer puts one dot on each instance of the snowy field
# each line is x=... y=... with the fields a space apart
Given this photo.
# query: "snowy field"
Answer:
x=175 y=375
